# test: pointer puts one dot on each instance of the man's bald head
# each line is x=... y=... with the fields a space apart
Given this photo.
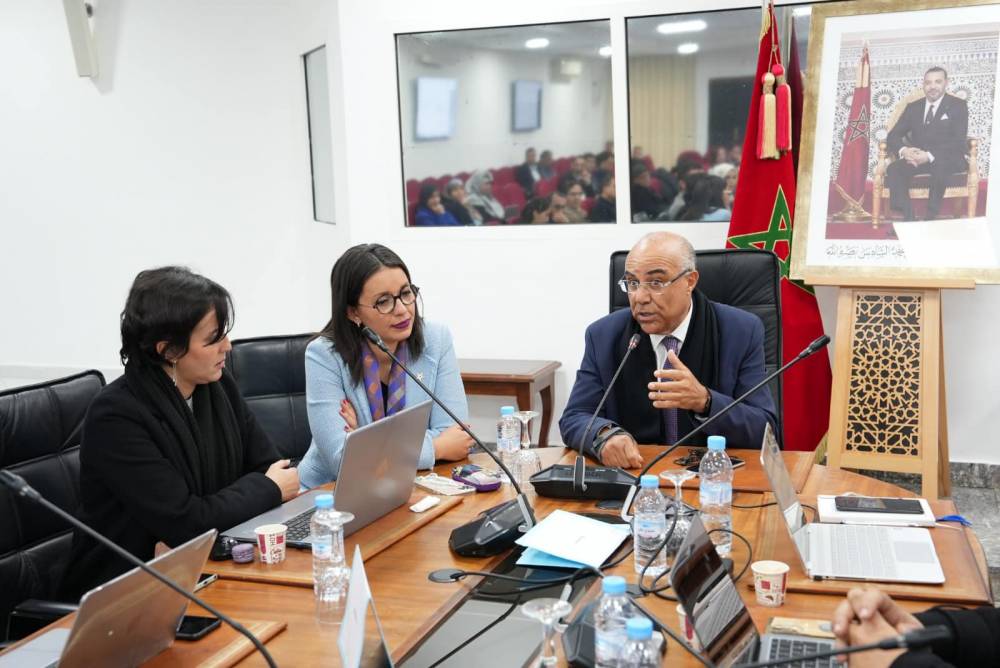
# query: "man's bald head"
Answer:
x=670 y=244
x=662 y=265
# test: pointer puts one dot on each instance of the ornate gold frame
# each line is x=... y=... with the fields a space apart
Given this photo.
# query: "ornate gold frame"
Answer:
x=871 y=276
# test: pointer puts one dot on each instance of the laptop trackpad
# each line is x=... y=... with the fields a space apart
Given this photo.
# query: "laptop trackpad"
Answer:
x=44 y=650
x=918 y=552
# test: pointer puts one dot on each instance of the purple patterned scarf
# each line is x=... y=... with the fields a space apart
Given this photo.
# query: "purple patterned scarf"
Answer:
x=373 y=383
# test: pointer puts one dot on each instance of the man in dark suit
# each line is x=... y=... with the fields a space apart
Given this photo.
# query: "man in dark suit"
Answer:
x=929 y=138
x=694 y=356
x=527 y=174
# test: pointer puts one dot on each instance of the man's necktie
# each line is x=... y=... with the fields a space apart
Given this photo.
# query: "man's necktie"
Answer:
x=930 y=115
x=670 y=414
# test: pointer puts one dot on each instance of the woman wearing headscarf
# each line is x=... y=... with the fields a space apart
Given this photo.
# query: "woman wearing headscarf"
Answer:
x=480 y=190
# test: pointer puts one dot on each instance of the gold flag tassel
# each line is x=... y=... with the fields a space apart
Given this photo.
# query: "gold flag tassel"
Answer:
x=766 y=120
x=783 y=113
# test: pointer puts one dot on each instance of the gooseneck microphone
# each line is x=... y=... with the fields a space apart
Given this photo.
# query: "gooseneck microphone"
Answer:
x=20 y=487
x=496 y=529
x=911 y=640
x=813 y=347
x=562 y=481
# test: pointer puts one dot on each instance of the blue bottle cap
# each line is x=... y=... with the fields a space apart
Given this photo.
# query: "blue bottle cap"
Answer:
x=324 y=500
x=506 y=410
x=639 y=628
x=613 y=584
x=649 y=480
x=716 y=442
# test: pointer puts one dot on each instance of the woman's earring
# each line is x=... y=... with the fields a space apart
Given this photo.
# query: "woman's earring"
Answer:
x=357 y=322
x=173 y=372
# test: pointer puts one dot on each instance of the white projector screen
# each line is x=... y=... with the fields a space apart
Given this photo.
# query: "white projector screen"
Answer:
x=437 y=100
x=526 y=106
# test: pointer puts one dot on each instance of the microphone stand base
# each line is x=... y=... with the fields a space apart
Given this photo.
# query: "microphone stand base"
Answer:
x=601 y=482
x=494 y=531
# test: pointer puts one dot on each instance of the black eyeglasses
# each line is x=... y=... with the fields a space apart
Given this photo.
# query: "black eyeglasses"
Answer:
x=654 y=286
x=386 y=304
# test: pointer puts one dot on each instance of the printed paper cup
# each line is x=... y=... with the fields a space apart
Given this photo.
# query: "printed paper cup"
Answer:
x=687 y=628
x=770 y=579
x=271 y=543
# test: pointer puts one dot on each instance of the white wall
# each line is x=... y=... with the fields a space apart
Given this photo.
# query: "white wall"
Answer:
x=190 y=148
x=575 y=116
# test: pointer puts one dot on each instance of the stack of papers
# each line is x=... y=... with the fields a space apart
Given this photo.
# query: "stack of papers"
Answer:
x=568 y=540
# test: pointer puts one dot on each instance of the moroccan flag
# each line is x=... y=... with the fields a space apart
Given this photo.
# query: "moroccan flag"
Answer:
x=794 y=76
x=762 y=218
x=853 y=171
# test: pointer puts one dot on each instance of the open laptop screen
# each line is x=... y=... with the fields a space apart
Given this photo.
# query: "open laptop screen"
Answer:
x=784 y=492
x=711 y=600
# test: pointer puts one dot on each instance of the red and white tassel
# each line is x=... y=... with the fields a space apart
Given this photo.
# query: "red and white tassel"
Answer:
x=783 y=111
x=766 y=145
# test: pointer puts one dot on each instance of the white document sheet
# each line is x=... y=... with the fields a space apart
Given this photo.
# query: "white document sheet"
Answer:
x=574 y=537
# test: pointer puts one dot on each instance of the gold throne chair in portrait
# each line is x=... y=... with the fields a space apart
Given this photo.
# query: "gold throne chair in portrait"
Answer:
x=961 y=187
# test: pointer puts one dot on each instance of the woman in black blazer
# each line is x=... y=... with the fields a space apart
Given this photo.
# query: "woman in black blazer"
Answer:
x=170 y=450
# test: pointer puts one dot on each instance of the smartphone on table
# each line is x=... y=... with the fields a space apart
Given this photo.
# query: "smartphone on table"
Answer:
x=874 y=504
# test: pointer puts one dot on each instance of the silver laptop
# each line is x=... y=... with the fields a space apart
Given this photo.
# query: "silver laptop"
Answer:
x=721 y=620
x=124 y=622
x=376 y=476
x=846 y=551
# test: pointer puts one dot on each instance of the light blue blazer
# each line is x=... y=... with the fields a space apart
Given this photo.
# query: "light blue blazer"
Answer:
x=328 y=381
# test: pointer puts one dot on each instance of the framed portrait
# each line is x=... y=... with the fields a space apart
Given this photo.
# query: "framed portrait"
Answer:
x=896 y=155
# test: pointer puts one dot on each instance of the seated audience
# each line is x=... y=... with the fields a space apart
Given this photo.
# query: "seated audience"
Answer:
x=577 y=174
x=527 y=174
x=589 y=162
x=686 y=171
x=706 y=203
x=694 y=358
x=557 y=209
x=729 y=173
x=574 y=194
x=736 y=154
x=546 y=169
x=605 y=170
x=718 y=155
x=351 y=383
x=536 y=211
x=869 y=615
x=646 y=204
x=170 y=450
x=430 y=209
x=480 y=198
x=454 y=203
x=604 y=210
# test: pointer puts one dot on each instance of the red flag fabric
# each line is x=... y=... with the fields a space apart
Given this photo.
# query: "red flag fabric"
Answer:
x=853 y=171
x=794 y=75
x=762 y=219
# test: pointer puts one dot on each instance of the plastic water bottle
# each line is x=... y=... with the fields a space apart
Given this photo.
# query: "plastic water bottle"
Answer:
x=508 y=439
x=640 y=650
x=716 y=493
x=613 y=610
x=649 y=526
x=330 y=571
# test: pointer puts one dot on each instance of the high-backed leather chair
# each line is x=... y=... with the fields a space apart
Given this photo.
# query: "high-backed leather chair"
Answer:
x=746 y=279
x=39 y=441
x=271 y=374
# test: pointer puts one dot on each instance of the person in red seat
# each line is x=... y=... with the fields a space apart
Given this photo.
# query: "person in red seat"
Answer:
x=430 y=209
x=536 y=212
x=480 y=197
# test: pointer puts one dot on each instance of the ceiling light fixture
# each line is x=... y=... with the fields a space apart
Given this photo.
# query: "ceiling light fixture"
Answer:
x=675 y=27
x=536 y=43
x=687 y=48
x=605 y=51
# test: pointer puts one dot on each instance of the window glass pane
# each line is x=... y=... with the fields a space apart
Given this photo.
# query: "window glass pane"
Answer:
x=498 y=125
x=690 y=82
x=320 y=141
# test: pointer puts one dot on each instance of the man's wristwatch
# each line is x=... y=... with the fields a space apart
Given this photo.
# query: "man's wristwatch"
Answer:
x=707 y=410
x=605 y=436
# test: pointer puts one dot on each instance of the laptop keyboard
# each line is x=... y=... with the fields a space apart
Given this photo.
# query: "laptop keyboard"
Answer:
x=863 y=551
x=298 y=526
x=788 y=648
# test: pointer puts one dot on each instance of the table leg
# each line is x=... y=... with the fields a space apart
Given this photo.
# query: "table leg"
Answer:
x=546 y=394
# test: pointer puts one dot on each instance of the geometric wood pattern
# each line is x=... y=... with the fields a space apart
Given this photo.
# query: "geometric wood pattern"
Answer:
x=887 y=409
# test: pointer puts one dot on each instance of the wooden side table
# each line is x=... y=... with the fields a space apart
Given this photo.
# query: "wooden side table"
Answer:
x=513 y=378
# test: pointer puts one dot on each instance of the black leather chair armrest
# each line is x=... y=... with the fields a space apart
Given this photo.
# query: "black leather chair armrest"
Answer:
x=33 y=614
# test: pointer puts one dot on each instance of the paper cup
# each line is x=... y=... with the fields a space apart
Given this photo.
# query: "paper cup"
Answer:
x=687 y=628
x=271 y=543
x=770 y=578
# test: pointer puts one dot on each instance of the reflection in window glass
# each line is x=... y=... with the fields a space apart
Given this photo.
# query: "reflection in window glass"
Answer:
x=690 y=81
x=504 y=126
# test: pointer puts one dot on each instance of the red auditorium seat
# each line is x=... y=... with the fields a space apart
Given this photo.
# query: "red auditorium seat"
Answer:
x=503 y=176
x=546 y=187
x=694 y=156
x=411 y=213
x=587 y=203
x=464 y=176
x=562 y=165
x=648 y=161
x=412 y=190
x=510 y=194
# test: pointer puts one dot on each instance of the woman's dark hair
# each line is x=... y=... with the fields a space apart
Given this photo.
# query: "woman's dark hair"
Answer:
x=350 y=273
x=536 y=205
x=706 y=196
x=166 y=304
x=426 y=191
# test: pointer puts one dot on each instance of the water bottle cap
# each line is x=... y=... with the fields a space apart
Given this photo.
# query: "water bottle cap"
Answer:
x=506 y=410
x=613 y=584
x=649 y=480
x=716 y=442
x=639 y=628
x=324 y=500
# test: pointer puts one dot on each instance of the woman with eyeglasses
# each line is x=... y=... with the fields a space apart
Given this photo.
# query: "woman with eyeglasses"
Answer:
x=351 y=383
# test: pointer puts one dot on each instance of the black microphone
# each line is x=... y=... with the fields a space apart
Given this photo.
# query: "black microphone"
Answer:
x=910 y=640
x=806 y=352
x=496 y=529
x=562 y=481
x=20 y=487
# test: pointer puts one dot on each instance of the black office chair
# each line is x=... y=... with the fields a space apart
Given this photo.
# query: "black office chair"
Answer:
x=271 y=374
x=39 y=441
x=744 y=278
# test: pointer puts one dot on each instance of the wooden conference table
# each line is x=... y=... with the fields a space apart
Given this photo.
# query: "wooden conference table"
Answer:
x=410 y=606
